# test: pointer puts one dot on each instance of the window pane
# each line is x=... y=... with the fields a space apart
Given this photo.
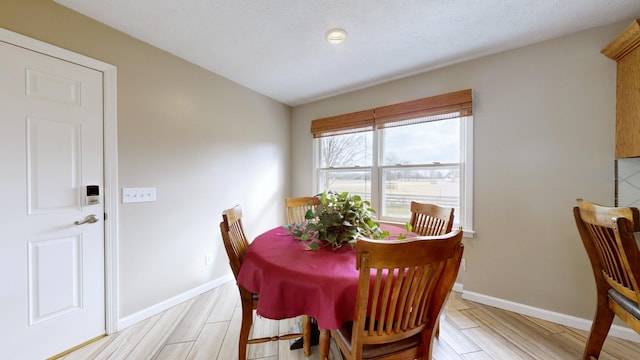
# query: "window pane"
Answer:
x=436 y=185
x=348 y=150
x=425 y=143
x=353 y=181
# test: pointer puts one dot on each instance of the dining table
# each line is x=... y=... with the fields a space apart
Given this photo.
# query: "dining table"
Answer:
x=293 y=280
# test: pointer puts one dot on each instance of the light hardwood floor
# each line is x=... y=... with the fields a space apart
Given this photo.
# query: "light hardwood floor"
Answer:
x=207 y=327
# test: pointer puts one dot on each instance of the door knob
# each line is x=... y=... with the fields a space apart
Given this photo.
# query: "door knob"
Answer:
x=90 y=219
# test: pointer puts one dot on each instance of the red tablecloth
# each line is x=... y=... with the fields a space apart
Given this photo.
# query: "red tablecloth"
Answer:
x=292 y=280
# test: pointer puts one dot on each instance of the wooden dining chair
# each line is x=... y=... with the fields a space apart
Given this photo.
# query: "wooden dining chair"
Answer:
x=235 y=243
x=607 y=235
x=297 y=207
x=402 y=288
x=430 y=219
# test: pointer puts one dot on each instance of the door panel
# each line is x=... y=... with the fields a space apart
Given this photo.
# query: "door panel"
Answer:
x=53 y=166
x=55 y=281
x=51 y=148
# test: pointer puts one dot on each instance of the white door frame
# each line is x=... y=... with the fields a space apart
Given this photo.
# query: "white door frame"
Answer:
x=110 y=161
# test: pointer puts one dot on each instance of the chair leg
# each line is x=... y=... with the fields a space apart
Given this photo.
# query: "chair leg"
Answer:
x=428 y=352
x=599 y=330
x=306 y=334
x=245 y=327
x=323 y=347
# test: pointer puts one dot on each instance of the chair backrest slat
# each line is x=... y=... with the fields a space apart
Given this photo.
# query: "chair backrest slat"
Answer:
x=430 y=219
x=297 y=207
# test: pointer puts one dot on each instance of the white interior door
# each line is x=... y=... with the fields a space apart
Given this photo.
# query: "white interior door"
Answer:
x=51 y=148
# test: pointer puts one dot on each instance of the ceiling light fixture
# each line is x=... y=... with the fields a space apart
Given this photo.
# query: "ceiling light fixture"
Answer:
x=336 y=36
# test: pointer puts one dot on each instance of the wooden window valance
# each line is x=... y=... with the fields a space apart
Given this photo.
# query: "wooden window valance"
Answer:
x=440 y=107
x=343 y=124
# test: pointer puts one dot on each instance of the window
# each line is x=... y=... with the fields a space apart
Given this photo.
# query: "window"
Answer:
x=420 y=150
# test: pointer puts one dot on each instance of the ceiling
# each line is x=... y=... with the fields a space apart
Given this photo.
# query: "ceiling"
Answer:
x=277 y=47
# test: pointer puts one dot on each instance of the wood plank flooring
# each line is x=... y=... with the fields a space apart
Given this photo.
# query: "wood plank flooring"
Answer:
x=207 y=327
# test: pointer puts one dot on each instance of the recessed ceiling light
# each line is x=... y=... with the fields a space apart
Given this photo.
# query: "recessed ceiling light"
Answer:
x=336 y=36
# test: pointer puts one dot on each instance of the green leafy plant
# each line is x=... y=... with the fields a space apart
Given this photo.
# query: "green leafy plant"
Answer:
x=340 y=218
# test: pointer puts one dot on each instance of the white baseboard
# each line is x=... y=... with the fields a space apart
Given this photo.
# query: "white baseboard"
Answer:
x=162 y=306
x=558 y=318
x=457 y=287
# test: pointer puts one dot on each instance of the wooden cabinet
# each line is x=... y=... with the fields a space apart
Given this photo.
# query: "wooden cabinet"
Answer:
x=625 y=50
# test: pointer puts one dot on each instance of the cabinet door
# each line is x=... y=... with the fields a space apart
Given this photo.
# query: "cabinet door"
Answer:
x=628 y=106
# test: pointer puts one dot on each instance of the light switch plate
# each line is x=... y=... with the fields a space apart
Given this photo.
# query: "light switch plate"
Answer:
x=136 y=195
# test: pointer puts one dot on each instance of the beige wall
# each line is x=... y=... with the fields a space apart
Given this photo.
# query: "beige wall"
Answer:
x=544 y=136
x=204 y=142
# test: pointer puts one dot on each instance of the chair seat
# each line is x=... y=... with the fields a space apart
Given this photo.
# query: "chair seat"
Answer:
x=628 y=305
x=373 y=351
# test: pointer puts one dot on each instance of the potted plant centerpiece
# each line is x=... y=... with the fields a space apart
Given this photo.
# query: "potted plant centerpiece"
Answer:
x=340 y=218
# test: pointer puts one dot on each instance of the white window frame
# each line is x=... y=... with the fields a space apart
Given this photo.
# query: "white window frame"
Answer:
x=466 y=167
